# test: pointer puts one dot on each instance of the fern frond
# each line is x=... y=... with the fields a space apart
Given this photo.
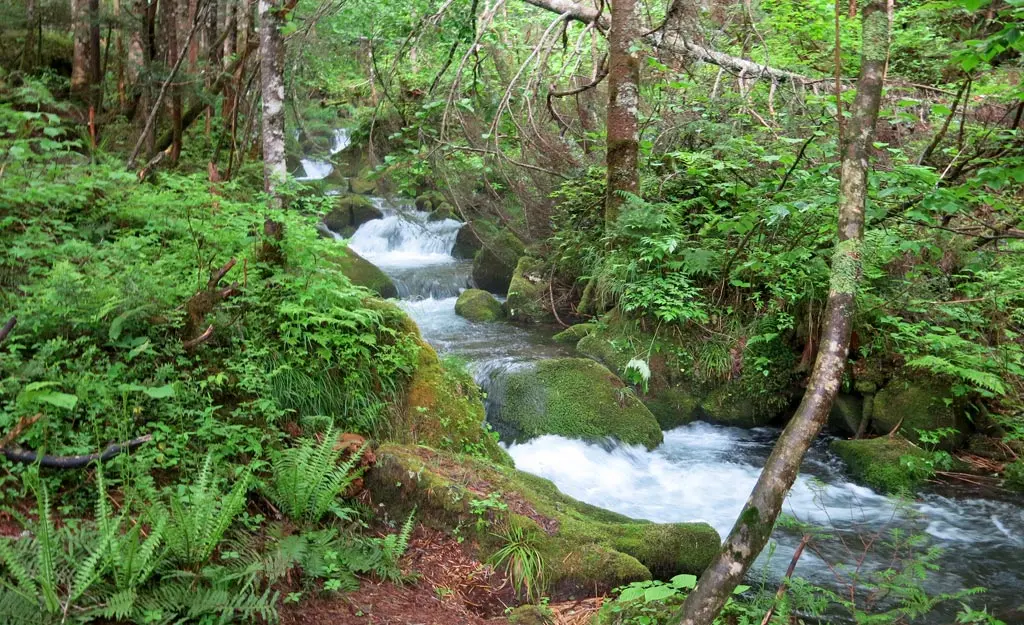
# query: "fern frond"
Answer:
x=47 y=549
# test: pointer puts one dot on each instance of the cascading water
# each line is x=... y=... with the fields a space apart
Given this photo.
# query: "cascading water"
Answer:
x=702 y=472
x=314 y=169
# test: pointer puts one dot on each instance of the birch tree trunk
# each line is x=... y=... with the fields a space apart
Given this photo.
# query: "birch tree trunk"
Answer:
x=623 y=127
x=755 y=523
x=272 y=90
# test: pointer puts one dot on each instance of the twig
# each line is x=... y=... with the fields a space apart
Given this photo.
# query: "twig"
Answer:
x=18 y=428
x=73 y=462
x=218 y=275
x=789 y=573
x=4 y=331
x=799 y=155
x=202 y=338
x=551 y=294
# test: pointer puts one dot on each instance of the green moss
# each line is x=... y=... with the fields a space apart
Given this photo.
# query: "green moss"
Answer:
x=846 y=266
x=364 y=273
x=495 y=263
x=574 y=333
x=441 y=212
x=844 y=418
x=595 y=346
x=578 y=398
x=363 y=185
x=877 y=462
x=477 y=305
x=467 y=243
x=586 y=550
x=528 y=292
x=531 y=615
x=730 y=404
x=1013 y=475
x=674 y=406
x=921 y=403
x=429 y=201
x=444 y=408
x=350 y=212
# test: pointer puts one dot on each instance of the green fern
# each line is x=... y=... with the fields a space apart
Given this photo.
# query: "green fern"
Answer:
x=308 y=479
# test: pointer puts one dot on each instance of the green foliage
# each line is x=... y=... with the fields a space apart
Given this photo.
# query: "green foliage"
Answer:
x=309 y=478
x=522 y=561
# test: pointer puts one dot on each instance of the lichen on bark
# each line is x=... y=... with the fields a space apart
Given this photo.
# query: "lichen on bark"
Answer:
x=846 y=266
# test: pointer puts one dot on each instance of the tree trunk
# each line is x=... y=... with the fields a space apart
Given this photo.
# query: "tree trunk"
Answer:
x=272 y=89
x=170 y=27
x=228 y=51
x=755 y=523
x=623 y=133
x=80 y=64
x=28 y=53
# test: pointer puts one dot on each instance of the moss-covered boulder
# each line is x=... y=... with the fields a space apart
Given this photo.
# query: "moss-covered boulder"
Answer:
x=495 y=263
x=844 y=418
x=528 y=614
x=467 y=243
x=586 y=550
x=430 y=200
x=573 y=397
x=350 y=212
x=364 y=273
x=920 y=403
x=528 y=293
x=478 y=305
x=1013 y=475
x=877 y=462
x=441 y=212
x=444 y=409
x=574 y=333
x=363 y=184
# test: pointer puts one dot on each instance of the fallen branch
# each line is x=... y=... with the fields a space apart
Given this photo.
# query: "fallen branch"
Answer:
x=789 y=573
x=199 y=340
x=73 y=462
x=4 y=331
x=18 y=428
x=218 y=275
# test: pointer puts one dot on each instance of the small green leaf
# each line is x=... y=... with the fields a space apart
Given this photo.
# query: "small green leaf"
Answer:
x=658 y=593
x=741 y=589
x=684 y=581
x=160 y=392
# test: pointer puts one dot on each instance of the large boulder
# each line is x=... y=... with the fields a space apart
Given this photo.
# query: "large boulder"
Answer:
x=363 y=184
x=920 y=403
x=495 y=263
x=878 y=462
x=350 y=212
x=528 y=293
x=586 y=551
x=364 y=273
x=467 y=243
x=574 y=333
x=430 y=200
x=477 y=305
x=573 y=397
x=844 y=418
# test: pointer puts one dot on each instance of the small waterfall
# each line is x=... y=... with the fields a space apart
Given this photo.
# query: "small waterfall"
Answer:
x=315 y=170
x=405 y=237
x=341 y=140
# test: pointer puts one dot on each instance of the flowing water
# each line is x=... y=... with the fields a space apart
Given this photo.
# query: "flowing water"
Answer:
x=315 y=169
x=702 y=472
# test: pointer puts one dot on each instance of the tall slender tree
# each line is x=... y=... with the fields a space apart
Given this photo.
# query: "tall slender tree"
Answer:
x=623 y=125
x=272 y=92
x=85 y=62
x=753 y=527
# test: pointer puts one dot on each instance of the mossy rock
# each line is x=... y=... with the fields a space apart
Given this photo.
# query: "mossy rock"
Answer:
x=877 y=463
x=441 y=212
x=730 y=404
x=586 y=550
x=921 y=403
x=594 y=345
x=364 y=273
x=444 y=409
x=844 y=418
x=478 y=305
x=430 y=200
x=576 y=398
x=574 y=333
x=350 y=212
x=528 y=614
x=495 y=263
x=1013 y=475
x=467 y=243
x=674 y=406
x=363 y=184
x=528 y=293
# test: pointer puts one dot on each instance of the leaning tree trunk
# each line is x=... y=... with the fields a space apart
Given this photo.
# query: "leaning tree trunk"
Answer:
x=755 y=523
x=623 y=134
x=272 y=91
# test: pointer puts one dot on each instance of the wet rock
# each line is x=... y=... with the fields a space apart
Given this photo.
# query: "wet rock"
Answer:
x=574 y=333
x=478 y=305
x=350 y=212
x=495 y=263
x=587 y=550
x=430 y=200
x=363 y=184
x=441 y=212
x=528 y=293
x=576 y=398
x=844 y=418
x=467 y=243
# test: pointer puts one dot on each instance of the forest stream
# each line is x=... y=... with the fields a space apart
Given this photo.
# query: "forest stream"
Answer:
x=702 y=472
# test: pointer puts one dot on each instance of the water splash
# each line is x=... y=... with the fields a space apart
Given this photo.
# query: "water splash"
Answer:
x=405 y=238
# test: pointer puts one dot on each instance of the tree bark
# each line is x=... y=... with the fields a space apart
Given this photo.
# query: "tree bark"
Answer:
x=755 y=523
x=169 y=24
x=272 y=89
x=28 y=53
x=80 y=63
x=623 y=125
